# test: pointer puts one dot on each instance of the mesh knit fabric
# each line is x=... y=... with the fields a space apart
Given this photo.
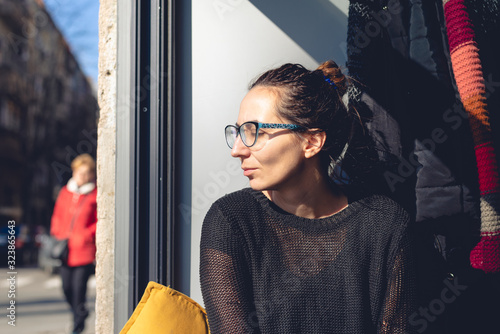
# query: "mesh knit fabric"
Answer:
x=466 y=62
x=264 y=270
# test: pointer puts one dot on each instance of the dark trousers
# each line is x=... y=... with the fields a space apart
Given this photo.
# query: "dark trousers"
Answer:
x=74 y=281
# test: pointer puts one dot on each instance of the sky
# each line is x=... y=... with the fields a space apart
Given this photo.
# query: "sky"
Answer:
x=78 y=20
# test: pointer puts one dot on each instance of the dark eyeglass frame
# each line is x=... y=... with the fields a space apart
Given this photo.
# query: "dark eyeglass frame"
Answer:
x=258 y=126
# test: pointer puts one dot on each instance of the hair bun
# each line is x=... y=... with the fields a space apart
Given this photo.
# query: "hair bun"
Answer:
x=332 y=71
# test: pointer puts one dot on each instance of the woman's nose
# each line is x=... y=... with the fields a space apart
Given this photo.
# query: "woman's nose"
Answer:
x=239 y=149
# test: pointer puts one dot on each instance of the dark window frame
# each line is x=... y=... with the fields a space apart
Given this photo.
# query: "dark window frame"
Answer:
x=148 y=172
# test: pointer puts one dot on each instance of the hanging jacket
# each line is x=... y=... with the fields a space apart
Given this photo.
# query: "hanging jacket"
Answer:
x=399 y=58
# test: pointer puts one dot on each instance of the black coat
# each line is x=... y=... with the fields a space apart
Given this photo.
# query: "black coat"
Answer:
x=399 y=59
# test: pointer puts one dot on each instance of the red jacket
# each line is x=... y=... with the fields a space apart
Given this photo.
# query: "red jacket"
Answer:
x=81 y=242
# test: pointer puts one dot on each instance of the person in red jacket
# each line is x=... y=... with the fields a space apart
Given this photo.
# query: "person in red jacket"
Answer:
x=75 y=218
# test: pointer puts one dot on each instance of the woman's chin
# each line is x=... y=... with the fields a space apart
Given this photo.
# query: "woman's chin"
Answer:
x=255 y=185
x=259 y=186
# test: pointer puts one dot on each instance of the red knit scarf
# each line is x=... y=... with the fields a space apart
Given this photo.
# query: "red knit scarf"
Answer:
x=469 y=76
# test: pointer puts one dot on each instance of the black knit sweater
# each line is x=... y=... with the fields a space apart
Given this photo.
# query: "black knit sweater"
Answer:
x=264 y=270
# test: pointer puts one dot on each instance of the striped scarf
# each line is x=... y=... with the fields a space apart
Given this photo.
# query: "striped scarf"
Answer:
x=470 y=81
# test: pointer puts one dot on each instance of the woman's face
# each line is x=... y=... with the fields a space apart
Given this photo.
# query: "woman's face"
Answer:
x=279 y=161
x=82 y=175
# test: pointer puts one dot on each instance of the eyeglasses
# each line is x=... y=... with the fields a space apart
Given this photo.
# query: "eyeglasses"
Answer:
x=249 y=132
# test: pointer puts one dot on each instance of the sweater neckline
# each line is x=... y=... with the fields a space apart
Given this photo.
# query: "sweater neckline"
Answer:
x=301 y=222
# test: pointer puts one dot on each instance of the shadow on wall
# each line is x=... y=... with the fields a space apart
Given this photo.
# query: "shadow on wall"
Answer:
x=317 y=26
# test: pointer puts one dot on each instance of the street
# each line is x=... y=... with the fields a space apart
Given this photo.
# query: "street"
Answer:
x=39 y=305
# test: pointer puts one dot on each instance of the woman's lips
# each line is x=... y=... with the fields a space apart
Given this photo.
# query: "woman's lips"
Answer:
x=248 y=171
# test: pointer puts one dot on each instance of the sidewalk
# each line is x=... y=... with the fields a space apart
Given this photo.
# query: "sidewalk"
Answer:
x=40 y=304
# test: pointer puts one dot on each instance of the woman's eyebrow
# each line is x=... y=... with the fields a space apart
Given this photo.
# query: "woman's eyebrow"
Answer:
x=251 y=121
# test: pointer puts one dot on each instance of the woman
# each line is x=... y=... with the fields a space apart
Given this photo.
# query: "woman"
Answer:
x=75 y=219
x=300 y=251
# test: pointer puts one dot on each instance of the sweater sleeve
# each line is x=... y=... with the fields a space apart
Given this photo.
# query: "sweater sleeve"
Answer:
x=225 y=278
x=399 y=302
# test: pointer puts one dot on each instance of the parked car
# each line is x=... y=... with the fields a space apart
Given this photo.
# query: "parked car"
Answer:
x=4 y=243
x=25 y=251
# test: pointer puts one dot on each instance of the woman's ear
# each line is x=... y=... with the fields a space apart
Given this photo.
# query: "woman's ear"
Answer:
x=314 y=142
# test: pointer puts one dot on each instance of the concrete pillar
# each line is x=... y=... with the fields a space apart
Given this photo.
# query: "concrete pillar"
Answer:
x=105 y=278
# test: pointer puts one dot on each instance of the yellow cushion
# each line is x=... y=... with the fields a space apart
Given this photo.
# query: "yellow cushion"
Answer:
x=165 y=310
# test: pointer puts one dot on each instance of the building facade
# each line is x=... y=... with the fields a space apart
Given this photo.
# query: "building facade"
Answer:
x=48 y=112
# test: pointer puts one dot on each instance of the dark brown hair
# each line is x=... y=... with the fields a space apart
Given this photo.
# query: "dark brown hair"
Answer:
x=314 y=100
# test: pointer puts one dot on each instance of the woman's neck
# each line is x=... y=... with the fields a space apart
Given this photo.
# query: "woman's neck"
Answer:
x=316 y=199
